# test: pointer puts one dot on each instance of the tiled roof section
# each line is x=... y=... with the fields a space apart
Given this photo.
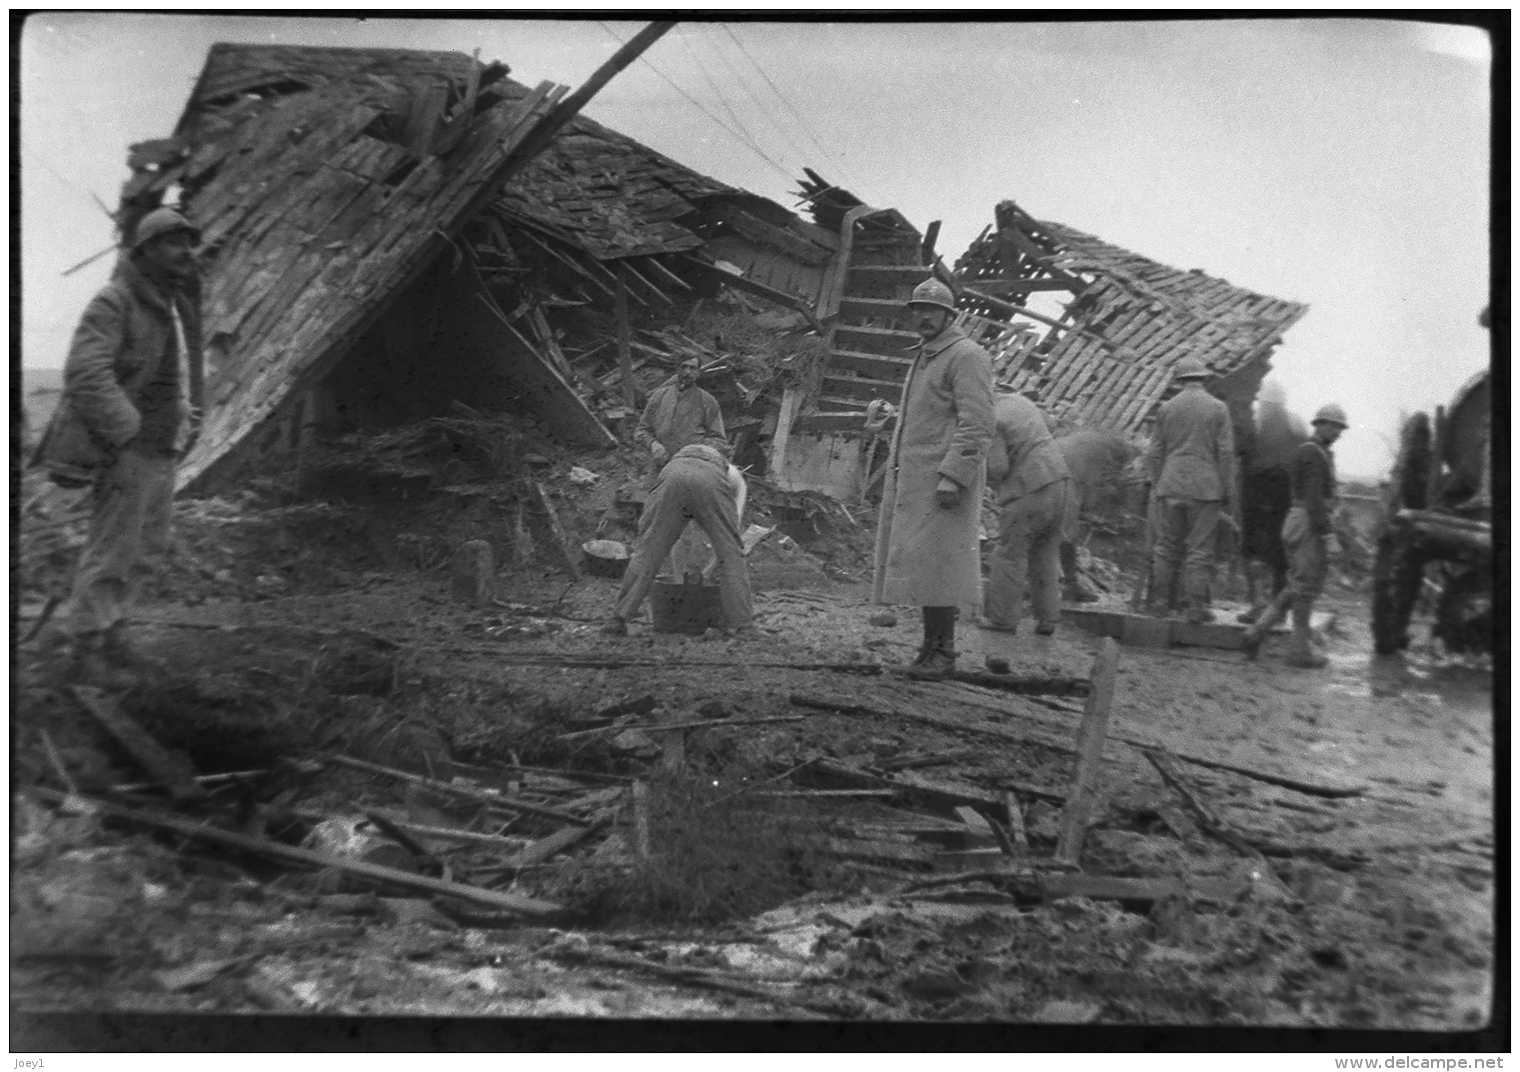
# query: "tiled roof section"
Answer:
x=609 y=195
x=232 y=69
x=1139 y=318
x=312 y=210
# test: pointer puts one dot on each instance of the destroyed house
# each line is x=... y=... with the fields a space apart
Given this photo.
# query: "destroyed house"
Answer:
x=1106 y=361
x=1129 y=320
x=382 y=240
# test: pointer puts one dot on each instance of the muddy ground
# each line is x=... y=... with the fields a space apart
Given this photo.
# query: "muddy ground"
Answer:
x=740 y=899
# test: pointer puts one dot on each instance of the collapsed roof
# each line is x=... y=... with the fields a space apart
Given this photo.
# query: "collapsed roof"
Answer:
x=326 y=180
x=1109 y=362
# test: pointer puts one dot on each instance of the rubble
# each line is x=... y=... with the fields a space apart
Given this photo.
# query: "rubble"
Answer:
x=390 y=766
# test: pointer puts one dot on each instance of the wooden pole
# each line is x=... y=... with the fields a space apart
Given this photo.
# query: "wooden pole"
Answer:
x=279 y=851
x=624 y=336
x=1082 y=799
x=568 y=108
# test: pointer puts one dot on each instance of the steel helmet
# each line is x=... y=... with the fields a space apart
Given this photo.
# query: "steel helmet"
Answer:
x=161 y=221
x=1332 y=414
x=933 y=292
x=1190 y=368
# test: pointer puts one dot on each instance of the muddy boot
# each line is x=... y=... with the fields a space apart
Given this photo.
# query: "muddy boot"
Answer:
x=1301 y=651
x=935 y=665
x=1252 y=641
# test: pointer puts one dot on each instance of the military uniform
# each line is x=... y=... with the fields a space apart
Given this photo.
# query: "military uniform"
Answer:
x=1191 y=464
x=1033 y=489
x=1307 y=530
x=132 y=385
x=695 y=486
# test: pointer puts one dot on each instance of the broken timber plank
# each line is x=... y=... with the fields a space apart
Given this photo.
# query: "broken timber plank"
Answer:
x=1211 y=822
x=1082 y=800
x=979 y=832
x=1016 y=824
x=568 y=551
x=279 y=851
x=667 y=727
x=986 y=703
x=914 y=762
x=641 y=819
x=624 y=337
x=508 y=803
x=940 y=793
x=173 y=772
x=544 y=848
x=1028 y=686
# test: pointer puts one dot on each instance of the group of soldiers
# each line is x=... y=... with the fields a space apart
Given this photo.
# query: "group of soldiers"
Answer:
x=131 y=405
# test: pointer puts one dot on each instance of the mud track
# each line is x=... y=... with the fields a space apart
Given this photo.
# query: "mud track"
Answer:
x=1378 y=912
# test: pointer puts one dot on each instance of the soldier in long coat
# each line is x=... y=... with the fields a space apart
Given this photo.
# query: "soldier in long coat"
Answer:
x=132 y=392
x=928 y=541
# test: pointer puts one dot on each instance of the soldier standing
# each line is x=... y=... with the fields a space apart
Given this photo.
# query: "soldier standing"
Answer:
x=928 y=540
x=1307 y=536
x=132 y=387
x=1191 y=462
x=679 y=414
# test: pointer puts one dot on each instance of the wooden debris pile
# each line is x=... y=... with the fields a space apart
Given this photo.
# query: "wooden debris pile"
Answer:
x=465 y=842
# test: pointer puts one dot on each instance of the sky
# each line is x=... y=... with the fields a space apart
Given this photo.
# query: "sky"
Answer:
x=1343 y=163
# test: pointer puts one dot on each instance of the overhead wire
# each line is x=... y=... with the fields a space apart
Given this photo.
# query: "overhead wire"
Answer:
x=801 y=119
x=717 y=92
x=700 y=107
x=760 y=106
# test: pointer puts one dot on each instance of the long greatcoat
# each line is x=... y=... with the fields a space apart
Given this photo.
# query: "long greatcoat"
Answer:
x=927 y=555
x=117 y=346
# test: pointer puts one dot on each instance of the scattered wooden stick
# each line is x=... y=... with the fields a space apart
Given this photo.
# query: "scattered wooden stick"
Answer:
x=1025 y=686
x=828 y=794
x=768 y=781
x=580 y=662
x=42 y=619
x=901 y=763
x=442 y=833
x=203 y=779
x=57 y=762
x=1207 y=818
x=544 y=848
x=666 y=727
x=641 y=819
x=1016 y=828
x=508 y=803
x=172 y=772
x=276 y=850
x=688 y=976
x=1083 y=798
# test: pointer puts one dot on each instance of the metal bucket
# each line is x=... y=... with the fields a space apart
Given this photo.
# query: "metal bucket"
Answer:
x=685 y=608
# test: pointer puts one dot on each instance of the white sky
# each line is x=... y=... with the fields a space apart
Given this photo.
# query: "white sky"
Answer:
x=1342 y=163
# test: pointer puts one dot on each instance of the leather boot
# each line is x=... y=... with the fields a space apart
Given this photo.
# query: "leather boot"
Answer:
x=1160 y=602
x=1301 y=651
x=1252 y=641
x=937 y=664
